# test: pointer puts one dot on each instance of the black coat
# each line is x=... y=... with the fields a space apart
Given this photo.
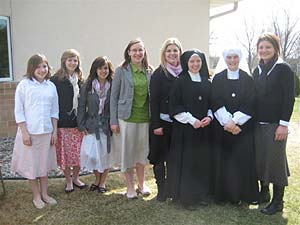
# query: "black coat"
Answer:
x=67 y=117
x=275 y=98
x=234 y=155
x=189 y=158
x=160 y=87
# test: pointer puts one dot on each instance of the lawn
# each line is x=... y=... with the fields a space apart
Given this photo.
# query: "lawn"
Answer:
x=83 y=207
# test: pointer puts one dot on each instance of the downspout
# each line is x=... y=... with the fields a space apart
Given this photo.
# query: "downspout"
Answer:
x=235 y=7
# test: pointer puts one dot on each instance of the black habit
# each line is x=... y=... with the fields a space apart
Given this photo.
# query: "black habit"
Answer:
x=234 y=159
x=189 y=158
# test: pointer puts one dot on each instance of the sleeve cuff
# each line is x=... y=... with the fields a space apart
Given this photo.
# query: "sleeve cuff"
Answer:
x=55 y=116
x=284 y=123
x=191 y=120
x=20 y=119
x=210 y=114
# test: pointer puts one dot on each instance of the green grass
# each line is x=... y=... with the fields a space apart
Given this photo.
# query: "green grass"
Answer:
x=296 y=111
x=83 y=207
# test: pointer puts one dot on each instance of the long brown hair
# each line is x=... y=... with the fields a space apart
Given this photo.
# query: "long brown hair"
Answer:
x=98 y=63
x=33 y=63
x=62 y=71
x=127 y=58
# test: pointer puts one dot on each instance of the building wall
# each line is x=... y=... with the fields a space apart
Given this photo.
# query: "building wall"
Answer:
x=101 y=27
x=7 y=121
x=5 y=8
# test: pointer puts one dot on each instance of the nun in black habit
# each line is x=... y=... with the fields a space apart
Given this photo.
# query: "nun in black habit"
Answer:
x=233 y=95
x=189 y=159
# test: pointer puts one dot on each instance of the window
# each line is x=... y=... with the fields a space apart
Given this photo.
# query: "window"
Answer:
x=5 y=50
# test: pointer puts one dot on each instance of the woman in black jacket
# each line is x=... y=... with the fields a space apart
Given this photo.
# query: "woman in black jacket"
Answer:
x=274 y=81
x=161 y=123
x=93 y=120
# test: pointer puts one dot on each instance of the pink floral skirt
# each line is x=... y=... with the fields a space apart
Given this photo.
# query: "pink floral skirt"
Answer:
x=68 y=147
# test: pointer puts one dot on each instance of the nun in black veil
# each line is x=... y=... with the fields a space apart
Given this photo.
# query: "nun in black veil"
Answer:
x=189 y=159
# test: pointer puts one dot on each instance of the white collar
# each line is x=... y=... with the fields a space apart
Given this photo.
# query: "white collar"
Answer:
x=279 y=61
x=37 y=82
x=233 y=75
x=195 y=76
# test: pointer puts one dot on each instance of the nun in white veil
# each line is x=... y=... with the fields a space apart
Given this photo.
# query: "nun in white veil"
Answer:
x=233 y=95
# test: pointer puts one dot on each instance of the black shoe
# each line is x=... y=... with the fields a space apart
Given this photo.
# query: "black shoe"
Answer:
x=102 y=190
x=273 y=208
x=68 y=190
x=202 y=203
x=94 y=187
x=190 y=207
x=277 y=202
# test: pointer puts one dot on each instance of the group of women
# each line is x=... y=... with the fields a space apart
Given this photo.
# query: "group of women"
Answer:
x=204 y=138
x=218 y=139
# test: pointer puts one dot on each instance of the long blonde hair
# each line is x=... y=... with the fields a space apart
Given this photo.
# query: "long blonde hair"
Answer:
x=169 y=41
x=62 y=71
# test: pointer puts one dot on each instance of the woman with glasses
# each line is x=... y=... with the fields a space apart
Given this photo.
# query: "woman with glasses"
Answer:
x=129 y=114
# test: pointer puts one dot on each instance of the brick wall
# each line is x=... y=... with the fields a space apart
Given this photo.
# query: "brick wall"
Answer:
x=8 y=126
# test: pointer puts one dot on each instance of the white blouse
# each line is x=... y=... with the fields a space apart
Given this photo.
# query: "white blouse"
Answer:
x=35 y=104
x=187 y=117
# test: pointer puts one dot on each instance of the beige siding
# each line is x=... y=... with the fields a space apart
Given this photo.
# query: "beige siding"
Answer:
x=102 y=27
x=5 y=8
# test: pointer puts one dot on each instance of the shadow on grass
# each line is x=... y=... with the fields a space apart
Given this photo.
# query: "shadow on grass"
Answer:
x=85 y=207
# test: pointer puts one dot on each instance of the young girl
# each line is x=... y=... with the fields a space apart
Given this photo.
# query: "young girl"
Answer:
x=93 y=120
x=67 y=81
x=188 y=174
x=36 y=113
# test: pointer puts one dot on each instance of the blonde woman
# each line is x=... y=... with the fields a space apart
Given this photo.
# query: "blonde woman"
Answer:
x=161 y=125
x=68 y=80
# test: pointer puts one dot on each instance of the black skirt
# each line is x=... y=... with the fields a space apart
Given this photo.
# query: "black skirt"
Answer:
x=160 y=144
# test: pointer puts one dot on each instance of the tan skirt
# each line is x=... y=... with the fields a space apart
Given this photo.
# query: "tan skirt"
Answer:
x=33 y=161
x=133 y=144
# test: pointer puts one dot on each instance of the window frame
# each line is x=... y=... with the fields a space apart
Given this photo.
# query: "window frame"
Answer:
x=10 y=78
